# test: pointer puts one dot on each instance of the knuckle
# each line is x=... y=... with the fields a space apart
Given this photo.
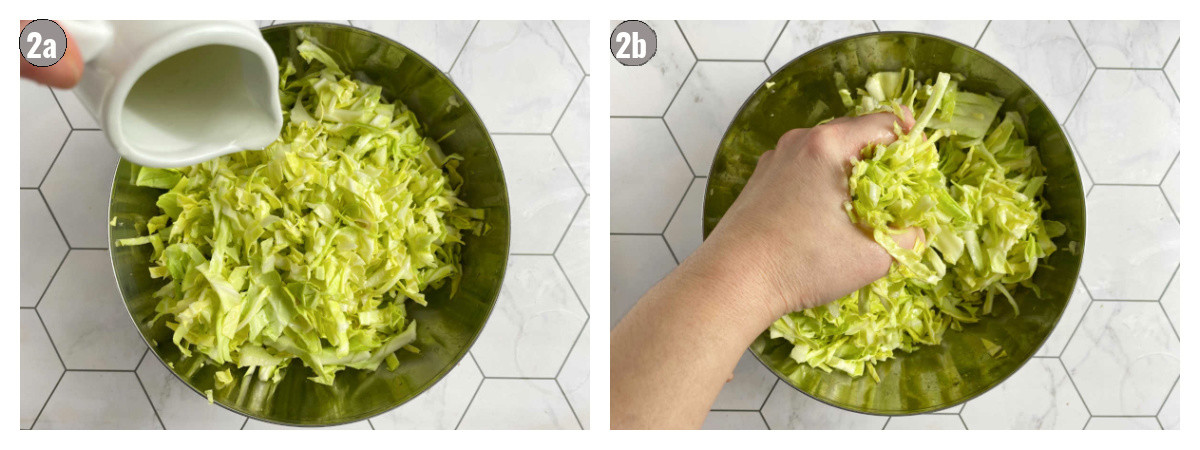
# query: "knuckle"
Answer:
x=823 y=139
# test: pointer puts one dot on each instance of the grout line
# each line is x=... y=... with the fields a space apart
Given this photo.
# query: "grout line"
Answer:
x=1164 y=403
x=729 y=60
x=730 y=410
x=1079 y=157
x=87 y=129
x=568 y=44
x=960 y=417
x=685 y=39
x=147 y=394
x=520 y=378
x=768 y=397
x=889 y=419
x=1087 y=422
x=572 y=350
x=683 y=83
x=52 y=277
x=1079 y=98
x=1081 y=317
x=1125 y=184
x=464 y=47
x=1168 y=172
x=569 y=405
x=52 y=345
x=678 y=205
x=90 y=248
x=678 y=148
x=476 y=394
x=141 y=360
x=24 y=188
x=981 y=33
x=877 y=28
x=60 y=108
x=776 y=42
x=518 y=133
x=578 y=87
x=569 y=168
x=634 y=234
x=1144 y=69
x=668 y=244
x=55 y=219
x=247 y=421
x=530 y=254
x=1073 y=385
x=56 y=155
x=102 y=370
x=1170 y=84
x=1081 y=44
x=31 y=308
x=1168 y=286
x=1169 y=55
x=1169 y=205
x=370 y=424
x=764 y=419
x=575 y=215
x=634 y=117
x=578 y=298
x=47 y=402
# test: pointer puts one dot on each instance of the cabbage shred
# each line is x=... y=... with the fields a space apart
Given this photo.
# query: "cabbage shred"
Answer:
x=972 y=183
x=310 y=248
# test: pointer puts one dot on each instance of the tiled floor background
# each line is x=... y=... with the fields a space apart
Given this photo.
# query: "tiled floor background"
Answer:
x=83 y=365
x=1113 y=361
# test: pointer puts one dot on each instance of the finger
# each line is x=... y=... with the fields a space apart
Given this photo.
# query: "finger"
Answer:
x=63 y=74
x=855 y=133
x=909 y=238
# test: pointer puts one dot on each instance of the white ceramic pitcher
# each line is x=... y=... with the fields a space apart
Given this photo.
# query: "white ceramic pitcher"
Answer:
x=176 y=93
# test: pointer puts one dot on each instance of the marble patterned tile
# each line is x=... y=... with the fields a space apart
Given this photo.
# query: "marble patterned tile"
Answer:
x=573 y=136
x=800 y=36
x=506 y=404
x=651 y=173
x=733 y=420
x=637 y=263
x=706 y=105
x=647 y=90
x=951 y=410
x=788 y=408
x=263 y=23
x=180 y=407
x=77 y=114
x=438 y=408
x=1172 y=69
x=78 y=187
x=732 y=39
x=1133 y=243
x=1136 y=146
x=40 y=367
x=576 y=34
x=575 y=378
x=1170 y=187
x=43 y=130
x=1123 y=423
x=964 y=31
x=98 y=400
x=1038 y=396
x=1058 y=338
x=1169 y=415
x=574 y=254
x=518 y=75
x=685 y=233
x=1046 y=54
x=260 y=425
x=439 y=41
x=535 y=321
x=926 y=421
x=1128 y=43
x=543 y=194
x=1170 y=301
x=1124 y=358
x=749 y=387
x=42 y=247
x=1084 y=178
x=86 y=317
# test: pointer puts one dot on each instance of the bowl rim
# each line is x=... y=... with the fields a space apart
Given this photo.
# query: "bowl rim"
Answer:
x=491 y=304
x=1057 y=125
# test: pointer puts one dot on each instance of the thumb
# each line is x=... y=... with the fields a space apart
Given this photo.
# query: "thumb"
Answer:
x=909 y=238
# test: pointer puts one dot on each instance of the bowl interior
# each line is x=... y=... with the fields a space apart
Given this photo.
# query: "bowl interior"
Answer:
x=933 y=377
x=446 y=328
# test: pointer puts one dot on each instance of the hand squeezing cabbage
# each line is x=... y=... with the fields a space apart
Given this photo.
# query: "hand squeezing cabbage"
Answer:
x=309 y=248
x=972 y=183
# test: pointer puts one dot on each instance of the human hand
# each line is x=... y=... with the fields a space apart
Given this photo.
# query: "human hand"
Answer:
x=787 y=236
x=63 y=74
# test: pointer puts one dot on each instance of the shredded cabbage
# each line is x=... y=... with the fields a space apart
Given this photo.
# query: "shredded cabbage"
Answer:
x=971 y=182
x=309 y=248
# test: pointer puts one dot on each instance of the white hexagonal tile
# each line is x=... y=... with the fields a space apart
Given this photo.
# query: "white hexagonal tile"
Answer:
x=636 y=264
x=438 y=408
x=964 y=31
x=1077 y=305
x=649 y=173
x=77 y=114
x=732 y=39
x=180 y=407
x=951 y=410
x=1138 y=146
x=535 y=321
x=1133 y=243
x=574 y=378
x=1124 y=358
x=40 y=367
x=706 y=105
x=543 y=195
x=98 y=400
x=42 y=247
x=646 y=90
x=1170 y=186
x=86 y=317
x=263 y=23
x=575 y=32
x=751 y=383
x=78 y=187
x=518 y=75
x=788 y=408
x=43 y=129
x=1038 y=396
x=1128 y=43
x=685 y=233
x=506 y=404
x=800 y=36
x=1046 y=54
x=1123 y=423
x=574 y=253
x=1172 y=69
x=1170 y=301
x=1084 y=178
x=733 y=420
x=260 y=425
x=573 y=137
x=926 y=421
x=1169 y=415
x=439 y=41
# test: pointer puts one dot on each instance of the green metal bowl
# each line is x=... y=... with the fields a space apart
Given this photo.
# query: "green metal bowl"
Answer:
x=449 y=325
x=801 y=94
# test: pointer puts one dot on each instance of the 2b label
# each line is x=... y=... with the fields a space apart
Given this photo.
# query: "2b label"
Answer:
x=633 y=43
